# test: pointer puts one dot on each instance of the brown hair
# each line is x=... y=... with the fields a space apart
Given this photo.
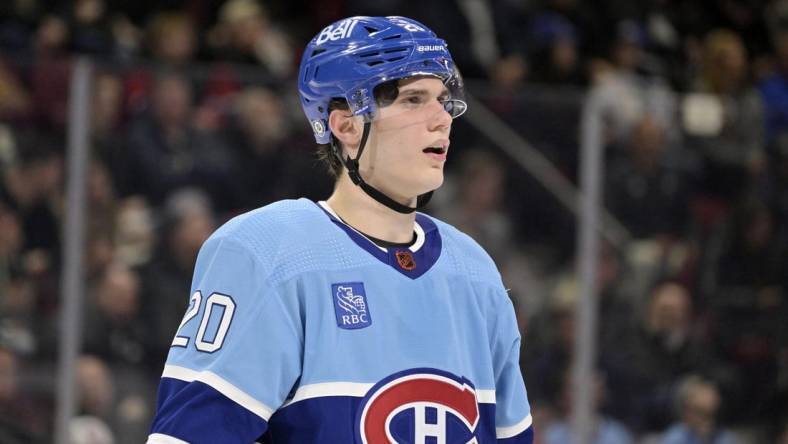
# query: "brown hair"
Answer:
x=385 y=94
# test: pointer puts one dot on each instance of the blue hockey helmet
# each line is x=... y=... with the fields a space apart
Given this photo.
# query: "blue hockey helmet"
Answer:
x=349 y=58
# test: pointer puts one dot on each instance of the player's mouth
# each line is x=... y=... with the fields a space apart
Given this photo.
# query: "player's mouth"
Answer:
x=437 y=151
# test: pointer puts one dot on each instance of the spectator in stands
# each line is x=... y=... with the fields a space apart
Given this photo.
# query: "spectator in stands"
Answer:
x=245 y=33
x=646 y=193
x=158 y=157
x=15 y=100
x=749 y=304
x=20 y=324
x=552 y=333
x=188 y=220
x=166 y=152
x=21 y=420
x=606 y=430
x=86 y=429
x=783 y=436
x=627 y=93
x=269 y=163
x=555 y=51
x=95 y=386
x=697 y=404
x=653 y=357
x=778 y=192
x=17 y=298
x=31 y=186
x=170 y=42
x=115 y=403
x=91 y=28
x=102 y=207
x=30 y=193
x=134 y=235
x=50 y=74
x=172 y=38
x=479 y=203
x=107 y=119
x=101 y=200
x=753 y=251
x=115 y=329
x=96 y=394
x=732 y=150
x=11 y=241
x=16 y=30
x=51 y=36
x=774 y=91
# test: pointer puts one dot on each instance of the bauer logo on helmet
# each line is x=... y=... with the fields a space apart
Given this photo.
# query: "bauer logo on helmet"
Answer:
x=430 y=48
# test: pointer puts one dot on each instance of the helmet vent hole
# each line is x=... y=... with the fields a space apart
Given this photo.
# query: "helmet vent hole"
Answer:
x=392 y=37
x=318 y=51
x=375 y=62
x=394 y=59
x=371 y=29
x=389 y=51
x=369 y=54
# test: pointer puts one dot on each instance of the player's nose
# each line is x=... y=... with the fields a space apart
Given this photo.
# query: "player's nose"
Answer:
x=441 y=119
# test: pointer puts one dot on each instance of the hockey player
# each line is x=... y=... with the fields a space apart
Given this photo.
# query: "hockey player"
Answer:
x=356 y=319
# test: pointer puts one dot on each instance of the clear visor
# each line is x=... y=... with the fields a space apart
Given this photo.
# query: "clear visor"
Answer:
x=423 y=91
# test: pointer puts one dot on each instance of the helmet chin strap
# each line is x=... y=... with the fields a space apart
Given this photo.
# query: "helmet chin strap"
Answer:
x=352 y=171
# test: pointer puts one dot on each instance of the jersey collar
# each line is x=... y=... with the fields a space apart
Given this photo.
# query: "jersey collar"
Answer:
x=412 y=261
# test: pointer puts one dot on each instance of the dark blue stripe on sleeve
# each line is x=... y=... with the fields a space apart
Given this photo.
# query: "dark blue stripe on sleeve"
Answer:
x=197 y=413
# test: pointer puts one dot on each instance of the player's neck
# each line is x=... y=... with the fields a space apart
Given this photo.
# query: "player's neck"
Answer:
x=369 y=216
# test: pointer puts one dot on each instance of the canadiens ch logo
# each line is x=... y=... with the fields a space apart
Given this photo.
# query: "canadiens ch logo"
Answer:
x=419 y=406
x=405 y=260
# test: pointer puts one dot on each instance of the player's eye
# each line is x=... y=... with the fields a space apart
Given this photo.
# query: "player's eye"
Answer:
x=413 y=100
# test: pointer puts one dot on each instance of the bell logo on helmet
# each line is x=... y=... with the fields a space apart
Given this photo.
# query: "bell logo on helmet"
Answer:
x=342 y=30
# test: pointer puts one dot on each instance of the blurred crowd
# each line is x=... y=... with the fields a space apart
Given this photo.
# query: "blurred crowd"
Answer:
x=194 y=119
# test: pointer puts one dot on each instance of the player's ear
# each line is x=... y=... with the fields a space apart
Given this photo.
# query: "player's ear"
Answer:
x=347 y=128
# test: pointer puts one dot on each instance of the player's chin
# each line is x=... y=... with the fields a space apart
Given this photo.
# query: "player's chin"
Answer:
x=431 y=180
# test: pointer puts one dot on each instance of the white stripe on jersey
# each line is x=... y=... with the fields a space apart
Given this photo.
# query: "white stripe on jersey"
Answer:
x=520 y=427
x=358 y=390
x=158 y=438
x=485 y=396
x=212 y=379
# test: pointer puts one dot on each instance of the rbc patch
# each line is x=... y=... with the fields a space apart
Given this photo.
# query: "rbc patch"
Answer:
x=350 y=305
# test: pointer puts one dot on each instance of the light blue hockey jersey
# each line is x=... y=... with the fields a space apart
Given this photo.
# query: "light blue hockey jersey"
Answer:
x=301 y=330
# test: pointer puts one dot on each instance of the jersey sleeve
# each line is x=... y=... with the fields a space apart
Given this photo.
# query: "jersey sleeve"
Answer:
x=235 y=357
x=513 y=422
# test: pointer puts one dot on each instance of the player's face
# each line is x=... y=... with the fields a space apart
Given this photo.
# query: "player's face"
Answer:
x=409 y=141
